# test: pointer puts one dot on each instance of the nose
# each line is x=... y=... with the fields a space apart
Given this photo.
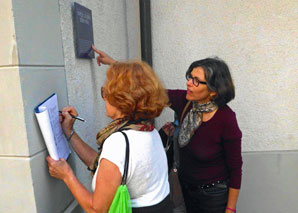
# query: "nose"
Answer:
x=189 y=82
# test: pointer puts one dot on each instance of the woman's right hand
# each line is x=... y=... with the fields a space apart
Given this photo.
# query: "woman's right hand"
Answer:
x=66 y=119
x=102 y=57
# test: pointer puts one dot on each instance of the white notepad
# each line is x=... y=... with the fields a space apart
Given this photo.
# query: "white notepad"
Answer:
x=47 y=114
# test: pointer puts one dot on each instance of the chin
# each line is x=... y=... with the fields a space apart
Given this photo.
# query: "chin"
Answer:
x=188 y=97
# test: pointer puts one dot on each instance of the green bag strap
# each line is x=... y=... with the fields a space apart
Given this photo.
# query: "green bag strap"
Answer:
x=124 y=177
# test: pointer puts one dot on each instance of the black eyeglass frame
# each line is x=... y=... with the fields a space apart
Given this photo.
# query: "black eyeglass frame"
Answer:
x=195 y=80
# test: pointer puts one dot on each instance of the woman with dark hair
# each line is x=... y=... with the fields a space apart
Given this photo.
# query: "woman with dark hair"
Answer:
x=133 y=96
x=210 y=140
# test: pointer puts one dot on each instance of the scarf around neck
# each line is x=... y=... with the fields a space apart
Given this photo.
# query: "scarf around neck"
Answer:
x=193 y=120
x=114 y=126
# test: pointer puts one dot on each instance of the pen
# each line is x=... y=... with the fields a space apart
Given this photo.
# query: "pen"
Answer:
x=76 y=117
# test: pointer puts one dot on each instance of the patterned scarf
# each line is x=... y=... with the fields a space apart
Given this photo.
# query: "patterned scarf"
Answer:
x=193 y=120
x=114 y=126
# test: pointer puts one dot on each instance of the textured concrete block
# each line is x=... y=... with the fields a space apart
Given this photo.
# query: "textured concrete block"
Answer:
x=16 y=185
x=38 y=84
x=26 y=186
x=74 y=207
x=51 y=194
x=37 y=26
x=269 y=182
x=8 y=51
x=12 y=123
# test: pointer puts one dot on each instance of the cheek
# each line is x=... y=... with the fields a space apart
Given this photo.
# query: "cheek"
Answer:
x=107 y=108
x=201 y=94
x=110 y=110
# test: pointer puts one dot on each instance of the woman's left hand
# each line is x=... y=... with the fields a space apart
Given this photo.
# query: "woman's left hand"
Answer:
x=59 y=169
x=168 y=128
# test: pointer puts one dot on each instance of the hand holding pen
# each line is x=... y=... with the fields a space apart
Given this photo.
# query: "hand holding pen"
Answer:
x=66 y=119
x=75 y=117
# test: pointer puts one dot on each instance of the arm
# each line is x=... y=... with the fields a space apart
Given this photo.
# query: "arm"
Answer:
x=102 y=57
x=233 y=191
x=108 y=179
x=83 y=150
x=177 y=100
x=232 y=199
x=232 y=146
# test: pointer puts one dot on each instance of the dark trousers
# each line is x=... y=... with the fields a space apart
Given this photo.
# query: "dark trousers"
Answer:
x=164 y=206
x=206 y=200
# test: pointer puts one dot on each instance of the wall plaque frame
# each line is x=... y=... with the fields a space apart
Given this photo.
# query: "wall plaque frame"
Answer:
x=83 y=31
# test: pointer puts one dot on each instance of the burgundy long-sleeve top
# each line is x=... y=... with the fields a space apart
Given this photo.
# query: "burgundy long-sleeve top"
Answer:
x=214 y=151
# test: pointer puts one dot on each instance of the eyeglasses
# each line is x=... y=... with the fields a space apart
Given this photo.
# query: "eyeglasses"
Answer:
x=195 y=80
x=103 y=92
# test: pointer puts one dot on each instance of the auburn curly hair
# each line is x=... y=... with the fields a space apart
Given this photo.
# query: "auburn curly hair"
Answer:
x=134 y=89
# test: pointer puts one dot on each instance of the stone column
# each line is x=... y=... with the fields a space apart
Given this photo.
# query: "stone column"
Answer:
x=31 y=69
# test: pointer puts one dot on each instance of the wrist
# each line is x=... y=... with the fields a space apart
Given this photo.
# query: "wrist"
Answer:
x=112 y=61
x=68 y=177
x=67 y=132
x=231 y=209
x=69 y=136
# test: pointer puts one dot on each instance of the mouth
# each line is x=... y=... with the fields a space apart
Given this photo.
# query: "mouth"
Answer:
x=189 y=91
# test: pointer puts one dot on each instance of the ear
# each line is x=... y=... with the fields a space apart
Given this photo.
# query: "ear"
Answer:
x=213 y=94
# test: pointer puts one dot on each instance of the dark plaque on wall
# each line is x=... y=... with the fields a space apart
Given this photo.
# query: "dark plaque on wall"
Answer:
x=83 y=31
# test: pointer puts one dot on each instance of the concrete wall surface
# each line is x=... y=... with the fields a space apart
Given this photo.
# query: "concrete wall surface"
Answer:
x=258 y=40
x=37 y=58
x=116 y=31
x=8 y=55
x=269 y=183
x=31 y=70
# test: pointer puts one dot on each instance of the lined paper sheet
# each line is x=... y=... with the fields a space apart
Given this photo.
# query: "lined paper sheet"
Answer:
x=47 y=114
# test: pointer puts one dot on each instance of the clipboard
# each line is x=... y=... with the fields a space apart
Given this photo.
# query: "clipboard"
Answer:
x=47 y=114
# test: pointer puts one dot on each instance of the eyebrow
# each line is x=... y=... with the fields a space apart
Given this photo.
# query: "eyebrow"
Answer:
x=194 y=77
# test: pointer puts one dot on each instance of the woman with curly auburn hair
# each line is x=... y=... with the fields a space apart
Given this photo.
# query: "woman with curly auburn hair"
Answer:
x=134 y=89
x=133 y=96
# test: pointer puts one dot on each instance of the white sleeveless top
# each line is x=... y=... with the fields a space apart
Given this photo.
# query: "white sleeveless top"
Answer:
x=147 y=179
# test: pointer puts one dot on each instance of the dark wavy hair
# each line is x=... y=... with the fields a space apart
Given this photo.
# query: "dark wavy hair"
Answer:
x=218 y=77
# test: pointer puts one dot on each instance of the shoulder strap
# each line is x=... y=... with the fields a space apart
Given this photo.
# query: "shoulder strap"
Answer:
x=184 y=110
x=176 y=157
x=124 y=177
